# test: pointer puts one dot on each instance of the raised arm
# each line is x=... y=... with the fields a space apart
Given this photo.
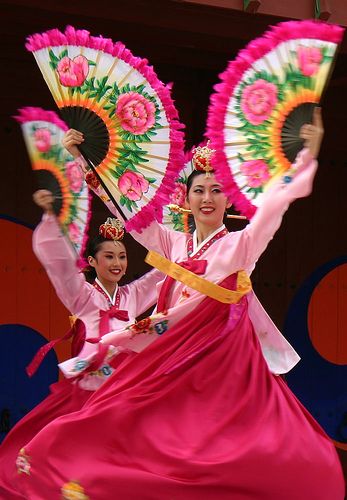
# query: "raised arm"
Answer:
x=143 y=291
x=278 y=197
x=154 y=237
x=59 y=258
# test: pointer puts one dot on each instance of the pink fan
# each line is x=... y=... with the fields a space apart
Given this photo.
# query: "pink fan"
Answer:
x=130 y=125
x=264 y=98
x=57 y=171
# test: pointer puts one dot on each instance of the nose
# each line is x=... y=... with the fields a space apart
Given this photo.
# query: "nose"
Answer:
x=116 y=261
x=207 y=197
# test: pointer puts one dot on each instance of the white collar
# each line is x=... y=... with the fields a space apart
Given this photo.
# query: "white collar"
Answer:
x=197 y=247
x=112 y=299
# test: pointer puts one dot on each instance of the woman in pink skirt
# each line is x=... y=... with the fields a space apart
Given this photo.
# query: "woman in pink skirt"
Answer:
x=200 y=413
x=100 y=305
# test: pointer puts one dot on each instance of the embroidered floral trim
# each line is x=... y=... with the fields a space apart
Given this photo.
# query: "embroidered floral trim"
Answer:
x=104 y=371
x=73 y=491
x=210 y=242
x=148 y=326
x=143 y=326
x=117 y=299
x=23 y=463
x=80 y=365
x=185 y=294
x=161 y=327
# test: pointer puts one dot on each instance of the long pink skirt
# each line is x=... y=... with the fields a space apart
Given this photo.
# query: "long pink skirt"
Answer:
x=64 y=398
x=195 y=416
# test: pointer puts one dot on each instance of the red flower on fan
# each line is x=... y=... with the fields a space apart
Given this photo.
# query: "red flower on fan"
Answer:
x=42 y=138
x=74 y=232
x=178 y=197
x=75 y=176
x=133 y=185
x=309 y=59
x=256 y=171
x=136 y=113
x=73 y=72
x=258 y=101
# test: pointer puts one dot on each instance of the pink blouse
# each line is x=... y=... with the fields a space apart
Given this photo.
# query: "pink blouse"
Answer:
x=227 y=255
x=80 y=297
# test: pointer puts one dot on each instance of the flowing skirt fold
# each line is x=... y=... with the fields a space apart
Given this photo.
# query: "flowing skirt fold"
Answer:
x=197 y=415
x=65 y=397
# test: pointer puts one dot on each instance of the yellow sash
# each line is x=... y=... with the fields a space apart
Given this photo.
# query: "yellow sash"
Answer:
x=199 y=284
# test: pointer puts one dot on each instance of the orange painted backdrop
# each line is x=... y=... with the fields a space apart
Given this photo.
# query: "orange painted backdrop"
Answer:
x=28 y=298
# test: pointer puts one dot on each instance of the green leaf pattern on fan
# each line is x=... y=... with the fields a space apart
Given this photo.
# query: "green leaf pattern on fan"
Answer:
x=258 y=103
x=135 y=112
x=49 y=149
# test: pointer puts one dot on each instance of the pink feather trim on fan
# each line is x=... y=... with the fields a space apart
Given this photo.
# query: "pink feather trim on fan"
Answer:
x=231 y=77
x=29 y=114
x=71 y=36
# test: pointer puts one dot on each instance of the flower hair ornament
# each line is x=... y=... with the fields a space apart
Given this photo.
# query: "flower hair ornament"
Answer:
x=112 y=229
x=201 y=159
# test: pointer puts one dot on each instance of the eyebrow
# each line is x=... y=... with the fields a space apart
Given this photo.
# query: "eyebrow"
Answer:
x=213 y=185
x=108 y=252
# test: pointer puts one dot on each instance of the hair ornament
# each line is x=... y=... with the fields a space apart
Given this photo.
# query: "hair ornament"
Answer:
x=201 y=159
x=112 y=229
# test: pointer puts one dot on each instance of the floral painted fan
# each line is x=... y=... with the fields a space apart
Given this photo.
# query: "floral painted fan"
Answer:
x=130 y=125
x=266 y=95
x=57 y=171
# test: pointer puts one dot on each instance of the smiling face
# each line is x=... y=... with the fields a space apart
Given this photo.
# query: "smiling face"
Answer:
x=110 y=262
x=207 y=201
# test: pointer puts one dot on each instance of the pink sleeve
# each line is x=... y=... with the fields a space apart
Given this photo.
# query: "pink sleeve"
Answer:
x=156 y=237
x=276 y=201
x=59 y=260
x=143 y=291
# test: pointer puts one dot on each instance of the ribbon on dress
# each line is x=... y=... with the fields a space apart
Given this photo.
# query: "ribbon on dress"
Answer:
x=190 y=279
x=195 y=266
x=105 y=316
x=104 y=327
x=77 y=331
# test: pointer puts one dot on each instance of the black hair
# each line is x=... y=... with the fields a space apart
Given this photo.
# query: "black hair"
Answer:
x=93 y=246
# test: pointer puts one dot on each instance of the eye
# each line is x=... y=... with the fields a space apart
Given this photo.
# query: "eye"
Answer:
x=216 y=190
x=122 y=257
x=197 y=190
